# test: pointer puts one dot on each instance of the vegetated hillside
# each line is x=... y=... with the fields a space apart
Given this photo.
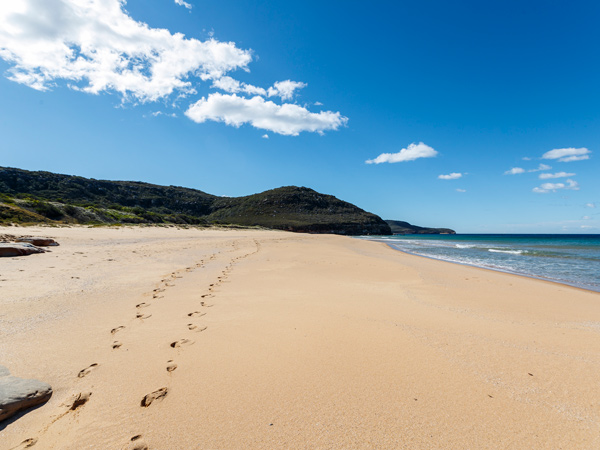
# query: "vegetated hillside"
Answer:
x=400 y=227
x=85 y=191
x=298 y=209
x=48 y=197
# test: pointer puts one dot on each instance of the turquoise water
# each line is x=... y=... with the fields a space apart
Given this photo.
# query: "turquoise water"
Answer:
x=567 y=259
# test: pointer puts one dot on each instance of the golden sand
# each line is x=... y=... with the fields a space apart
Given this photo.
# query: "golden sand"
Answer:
x=165 y=338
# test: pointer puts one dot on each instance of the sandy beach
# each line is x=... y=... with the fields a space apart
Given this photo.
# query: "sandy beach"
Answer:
x=246 y=339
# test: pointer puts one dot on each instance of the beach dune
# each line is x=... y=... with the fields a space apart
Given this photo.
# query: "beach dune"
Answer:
x=167 y=338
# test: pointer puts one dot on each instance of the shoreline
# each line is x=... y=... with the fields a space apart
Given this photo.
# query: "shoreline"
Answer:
x=267 y=339
x=494 y=269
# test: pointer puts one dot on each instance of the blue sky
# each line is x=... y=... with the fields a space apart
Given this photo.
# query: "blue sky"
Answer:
x=251 y=96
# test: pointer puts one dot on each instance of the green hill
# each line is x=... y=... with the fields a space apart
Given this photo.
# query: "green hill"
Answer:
x=49 y=197
x=297 y=209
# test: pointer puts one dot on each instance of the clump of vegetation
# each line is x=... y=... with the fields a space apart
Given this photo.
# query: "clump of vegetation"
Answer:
x=46 y=209
x=4 y=198
x=13 y=214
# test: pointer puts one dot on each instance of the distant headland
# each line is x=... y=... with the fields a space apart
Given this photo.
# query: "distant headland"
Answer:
x=400 y=227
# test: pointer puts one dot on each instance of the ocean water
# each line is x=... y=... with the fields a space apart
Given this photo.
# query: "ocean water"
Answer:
x=567 y=259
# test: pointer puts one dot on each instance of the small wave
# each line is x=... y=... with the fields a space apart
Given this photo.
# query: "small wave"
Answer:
x=512 y=252
x=464 y=245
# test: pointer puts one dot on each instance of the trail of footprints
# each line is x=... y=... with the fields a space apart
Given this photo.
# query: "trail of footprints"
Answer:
x=79 y=400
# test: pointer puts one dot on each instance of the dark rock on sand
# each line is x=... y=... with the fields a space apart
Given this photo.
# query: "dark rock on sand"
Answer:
x=38 y=241
x=17 y=394
x=18 y=249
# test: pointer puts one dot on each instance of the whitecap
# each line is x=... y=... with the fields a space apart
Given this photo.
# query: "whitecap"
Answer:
x=512 y=252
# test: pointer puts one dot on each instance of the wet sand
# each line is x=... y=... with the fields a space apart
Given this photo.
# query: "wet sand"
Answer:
x=247 y=339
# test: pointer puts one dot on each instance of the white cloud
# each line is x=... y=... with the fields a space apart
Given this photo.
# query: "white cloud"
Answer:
x=318 y=104
x=227 y=84
x=232 y=86
x=568 y=154
x=545 y=176
x=451 y=176
x=265 y=136
x=285 y=89
x=526 y=158
x=586 y=218
x=160 y=113
x=517 y=170
x=553 y=187
x=96 y=46
x=183 y=3
x=287 y=119
x=461 y=190
x=574 y=158
x=252 y=90
x=590 y=205
x=412 y=152
x=514 y=171
x=540 y=168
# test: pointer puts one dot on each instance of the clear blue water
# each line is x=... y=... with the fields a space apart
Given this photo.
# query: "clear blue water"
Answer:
x=567 y=259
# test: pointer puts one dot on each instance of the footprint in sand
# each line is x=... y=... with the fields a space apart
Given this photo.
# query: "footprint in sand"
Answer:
x=116 y=345
x=78 y=400
x=196 y=314
x=158 y=290
x=196 y=328
x=27 y=443
x=83 y=372
x=136 y=443
x=142 y=305
x=117 y=329
x=156 y=395
x=143 y=316
x=206 y=295
x=171 y=366
x=206 y=305
x=181 y=342
x=157 y=296
x=73 y=404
